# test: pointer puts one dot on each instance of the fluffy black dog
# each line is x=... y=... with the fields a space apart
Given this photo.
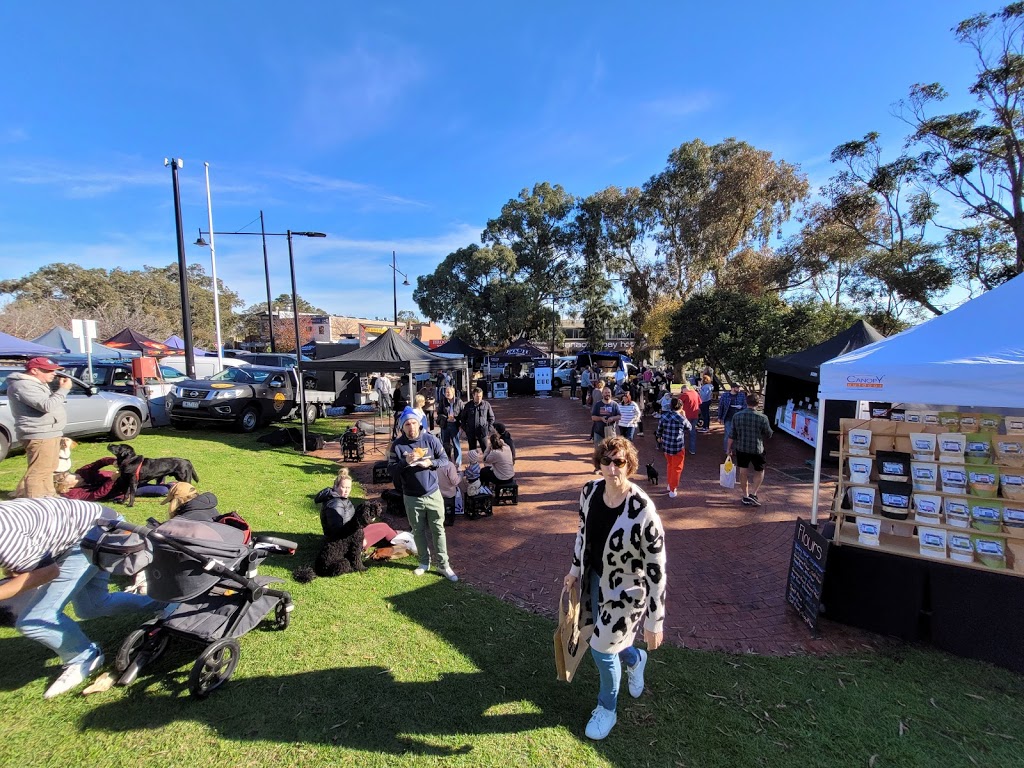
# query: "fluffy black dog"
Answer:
x=342 y=523
x=652 y=474
x=137 y=470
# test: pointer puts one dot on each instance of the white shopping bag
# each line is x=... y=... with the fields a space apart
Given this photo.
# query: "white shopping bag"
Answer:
x=727 y=474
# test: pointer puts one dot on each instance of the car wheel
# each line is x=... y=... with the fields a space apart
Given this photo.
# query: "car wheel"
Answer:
x=311 y=413
x=557 y=383
x=5 y=446
x=249 y=420
x=126 y=425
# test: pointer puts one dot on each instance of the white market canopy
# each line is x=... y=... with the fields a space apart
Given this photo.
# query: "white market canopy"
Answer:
x=973 y=356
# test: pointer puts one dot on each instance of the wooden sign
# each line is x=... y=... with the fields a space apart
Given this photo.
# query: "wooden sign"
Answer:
x=807 y=572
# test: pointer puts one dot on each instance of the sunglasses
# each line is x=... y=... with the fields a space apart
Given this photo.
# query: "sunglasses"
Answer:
x=605 y=461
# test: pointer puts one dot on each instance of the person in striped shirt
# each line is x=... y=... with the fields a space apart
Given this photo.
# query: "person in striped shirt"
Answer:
x=630 y=416
x=41 y=553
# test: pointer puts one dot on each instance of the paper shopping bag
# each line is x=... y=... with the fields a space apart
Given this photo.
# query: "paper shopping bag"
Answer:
x=727 y=474
x=571 y=641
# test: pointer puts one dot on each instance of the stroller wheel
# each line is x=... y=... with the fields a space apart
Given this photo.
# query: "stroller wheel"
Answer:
x=141 y=647
x=282 y=617
x=214 y=667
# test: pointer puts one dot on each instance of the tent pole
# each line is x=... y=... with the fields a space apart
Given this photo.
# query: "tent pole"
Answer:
x=818 y=445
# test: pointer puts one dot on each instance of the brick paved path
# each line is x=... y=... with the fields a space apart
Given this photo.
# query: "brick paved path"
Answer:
x=727 y=563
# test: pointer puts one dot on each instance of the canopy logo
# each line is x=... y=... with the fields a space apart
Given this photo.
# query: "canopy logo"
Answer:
x=864 y=382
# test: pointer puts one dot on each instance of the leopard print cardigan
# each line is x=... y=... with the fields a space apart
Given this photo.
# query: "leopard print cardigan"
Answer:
x=633 y=578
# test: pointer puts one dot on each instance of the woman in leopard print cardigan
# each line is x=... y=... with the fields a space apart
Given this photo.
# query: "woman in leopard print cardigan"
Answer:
x=619 y=561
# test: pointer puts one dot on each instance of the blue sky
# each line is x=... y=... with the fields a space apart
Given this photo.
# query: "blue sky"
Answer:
x=405 y=127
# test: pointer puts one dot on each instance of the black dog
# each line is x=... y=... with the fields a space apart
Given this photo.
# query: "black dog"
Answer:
x=342 y=548
x=652 y=474
x=136 y=470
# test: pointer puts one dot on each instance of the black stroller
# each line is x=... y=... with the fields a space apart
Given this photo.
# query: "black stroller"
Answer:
x=210 y=570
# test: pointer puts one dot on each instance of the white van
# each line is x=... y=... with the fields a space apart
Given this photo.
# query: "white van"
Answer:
x=205 y=366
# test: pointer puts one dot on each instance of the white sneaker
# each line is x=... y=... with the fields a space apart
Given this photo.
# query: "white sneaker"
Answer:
x=74 y=675
x=448 y=573
x=635 y=675
x=421 y=569
x=672 y=494
x=601 y=723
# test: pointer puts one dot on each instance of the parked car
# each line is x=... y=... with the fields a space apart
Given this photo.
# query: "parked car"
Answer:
x=281 y=360
x=90 y=413
x=205 y=366
x=113 y=375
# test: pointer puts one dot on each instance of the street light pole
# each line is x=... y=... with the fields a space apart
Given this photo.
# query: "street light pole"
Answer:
x=213 y=268
x=395 y=272
x=266 y=271
x=298 y=344
x=186 y=309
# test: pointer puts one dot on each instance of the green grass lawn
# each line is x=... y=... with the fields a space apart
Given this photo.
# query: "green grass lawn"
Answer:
x=386 y=669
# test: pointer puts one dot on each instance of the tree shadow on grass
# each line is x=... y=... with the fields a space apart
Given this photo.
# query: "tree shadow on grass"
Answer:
x=512 y=690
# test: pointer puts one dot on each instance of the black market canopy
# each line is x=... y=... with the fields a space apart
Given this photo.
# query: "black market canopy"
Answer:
x=456 y=346
x=388 y=353
x=129 y=339
x=519 y=352
x=805 y=365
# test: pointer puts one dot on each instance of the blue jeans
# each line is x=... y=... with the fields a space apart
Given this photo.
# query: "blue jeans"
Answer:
x=628 y=432
x=609 y=665
x=86 y=587
x=725 y=440
x=450 y=435
x=692 y=435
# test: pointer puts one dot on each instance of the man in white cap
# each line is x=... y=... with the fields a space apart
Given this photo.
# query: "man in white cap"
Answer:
x=413 y=461
x=39 y=421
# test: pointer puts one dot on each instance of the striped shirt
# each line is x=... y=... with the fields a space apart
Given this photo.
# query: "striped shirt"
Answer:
x=35 y=532
x=630 y=415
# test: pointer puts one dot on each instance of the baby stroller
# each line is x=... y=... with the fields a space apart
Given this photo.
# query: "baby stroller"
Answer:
x=209 y=569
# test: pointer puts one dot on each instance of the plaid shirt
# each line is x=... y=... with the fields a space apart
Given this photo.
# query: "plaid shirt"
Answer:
x=671 y=432
x=748 y=430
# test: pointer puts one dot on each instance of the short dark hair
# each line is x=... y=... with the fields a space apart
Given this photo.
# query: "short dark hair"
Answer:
x=675 y=404
x=752 y=399
x=477 y=389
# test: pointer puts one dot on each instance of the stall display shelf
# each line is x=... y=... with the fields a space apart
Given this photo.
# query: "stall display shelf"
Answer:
x=895 y=436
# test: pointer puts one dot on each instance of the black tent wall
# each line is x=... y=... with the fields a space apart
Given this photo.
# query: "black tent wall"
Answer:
x=778 y=391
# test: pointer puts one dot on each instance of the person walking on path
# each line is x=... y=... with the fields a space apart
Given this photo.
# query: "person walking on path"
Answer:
x=748 y=431
x=630 y=417
x=41 y=552
x=415 y=457
x=691 y=410
x=707 y=391
x=40 y=416
x=449 y=412
x=618 y=524
x=729 y=404
x=382 y=386
x=671 y=436
x=477 y=421
x=604 y=414
x=574 y=382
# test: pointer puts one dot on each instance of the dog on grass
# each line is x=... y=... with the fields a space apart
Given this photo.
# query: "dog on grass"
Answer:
x=138 y=470
x=652 y=474
x=64 y=454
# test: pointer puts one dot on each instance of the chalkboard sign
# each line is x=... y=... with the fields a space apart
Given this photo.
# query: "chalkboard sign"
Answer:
x=807 y=572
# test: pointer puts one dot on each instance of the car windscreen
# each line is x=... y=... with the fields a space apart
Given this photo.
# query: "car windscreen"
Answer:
x=241 y=375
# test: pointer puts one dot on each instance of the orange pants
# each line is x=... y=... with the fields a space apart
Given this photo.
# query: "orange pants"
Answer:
x=675 y=464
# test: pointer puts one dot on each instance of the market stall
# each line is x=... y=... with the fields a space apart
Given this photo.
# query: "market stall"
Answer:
x=791 y=391
x=929 y=541
x=520 y=358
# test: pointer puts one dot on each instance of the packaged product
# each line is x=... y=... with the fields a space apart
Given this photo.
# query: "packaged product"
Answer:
x=1013 y=514
x=860 y=469
x=951 y=447
x=932 y=542
x=867 y=531
x=895 y=498
x=930 y=418
x=961 y=547
x=922 y=445
x=950 y=420
x=954 y=478
x=978 y=449
x=957 y=511
x=1008 y=450
x=990 y=550
x=879 y=410
x=989 y=422
x=927 y=508
x=860 y=442
x=986 y=515
x=1014 y=425
x=1011 y=483
x=983 y=480
x=862 y=499
x=970 y=422
x=925 y=475
x=913 y=417
x=893 y=465
x=898 y=414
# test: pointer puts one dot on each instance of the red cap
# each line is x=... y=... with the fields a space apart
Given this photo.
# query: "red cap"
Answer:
x=42 y=364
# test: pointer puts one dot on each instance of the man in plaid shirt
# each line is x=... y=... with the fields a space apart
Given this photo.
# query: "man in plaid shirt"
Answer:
x=747 y=432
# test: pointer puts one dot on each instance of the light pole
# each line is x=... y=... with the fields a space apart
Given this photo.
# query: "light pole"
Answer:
x=295 y=308
x=186 y=309
x=395 y=272
x=213 y=269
